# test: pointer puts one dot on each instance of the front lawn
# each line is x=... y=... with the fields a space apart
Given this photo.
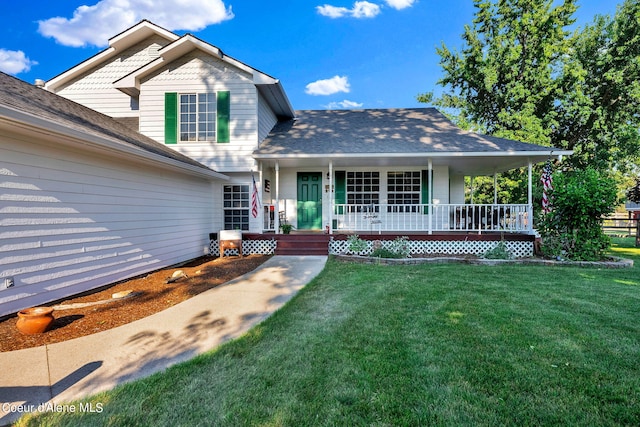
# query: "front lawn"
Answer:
x=415 y=345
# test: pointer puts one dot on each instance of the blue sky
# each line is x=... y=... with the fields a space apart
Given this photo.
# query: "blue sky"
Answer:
x=333 y=54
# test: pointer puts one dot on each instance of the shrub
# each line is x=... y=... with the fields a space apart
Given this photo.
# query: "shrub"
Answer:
x=573 y=228
x=500 y=251
x=399 y=248
x=357 y=245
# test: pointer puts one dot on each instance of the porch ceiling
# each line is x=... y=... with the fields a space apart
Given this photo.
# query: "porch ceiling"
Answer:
x=467 y=164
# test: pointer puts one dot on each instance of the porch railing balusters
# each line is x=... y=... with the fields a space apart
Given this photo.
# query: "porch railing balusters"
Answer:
x=444 y=217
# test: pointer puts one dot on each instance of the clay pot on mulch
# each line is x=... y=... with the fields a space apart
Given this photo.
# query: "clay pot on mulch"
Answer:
x=34 y=320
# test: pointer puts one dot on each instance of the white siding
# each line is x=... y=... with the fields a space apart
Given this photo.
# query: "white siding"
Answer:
x=266 y=119
x=456 y=188
x=198 y=72
x=72 y=222
x=95 y=87
x=441 y=184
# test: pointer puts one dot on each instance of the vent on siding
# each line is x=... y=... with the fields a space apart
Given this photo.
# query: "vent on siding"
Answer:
x=153 y=50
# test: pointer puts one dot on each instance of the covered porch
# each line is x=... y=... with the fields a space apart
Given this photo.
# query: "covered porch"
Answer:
x=397 y=197
x=388 y=171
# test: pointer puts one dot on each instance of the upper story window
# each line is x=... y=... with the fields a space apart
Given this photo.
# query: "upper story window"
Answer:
x=198 y=117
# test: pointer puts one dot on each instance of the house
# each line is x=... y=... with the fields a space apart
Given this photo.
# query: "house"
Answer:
x=86 y=201
x=183 y=101
x=317 y=170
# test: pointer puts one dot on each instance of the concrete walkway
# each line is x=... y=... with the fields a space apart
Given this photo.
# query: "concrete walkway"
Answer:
x=74 y=369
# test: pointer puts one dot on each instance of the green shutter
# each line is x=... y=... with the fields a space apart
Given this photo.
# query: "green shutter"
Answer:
x=424 y=187
x=340 y=185
x=170 y=118
x=224 y=107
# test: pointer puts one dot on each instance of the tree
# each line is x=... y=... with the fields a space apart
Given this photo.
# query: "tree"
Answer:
x=503 y=82
x=597 y=107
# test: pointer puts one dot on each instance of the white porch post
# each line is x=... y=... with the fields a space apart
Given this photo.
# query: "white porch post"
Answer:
x=495 y=188
x=261 y=199
x=330 y=197
x=430 y=183
x=530 y=198
x=276 y=216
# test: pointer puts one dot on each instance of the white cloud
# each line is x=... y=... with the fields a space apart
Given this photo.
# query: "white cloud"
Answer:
x=332 y=11
x=94 y=25
x=14 y=61
x=364 y=9
x=343 y=105
x=328 y=86
x=400 y=4
x=361 y=9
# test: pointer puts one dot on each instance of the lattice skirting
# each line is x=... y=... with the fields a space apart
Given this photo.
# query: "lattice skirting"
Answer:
x=262 y=247
x=519 y=249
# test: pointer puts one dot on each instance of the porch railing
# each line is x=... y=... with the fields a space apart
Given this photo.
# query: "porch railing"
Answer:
x=513 y=218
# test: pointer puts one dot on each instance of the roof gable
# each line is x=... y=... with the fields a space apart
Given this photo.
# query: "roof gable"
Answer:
x=176 y=47
x=117 y=44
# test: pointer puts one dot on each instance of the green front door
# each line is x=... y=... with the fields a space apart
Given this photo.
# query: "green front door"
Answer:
x=309 y=200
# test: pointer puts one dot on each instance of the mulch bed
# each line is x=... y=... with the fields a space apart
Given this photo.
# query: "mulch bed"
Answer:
x=152 y=294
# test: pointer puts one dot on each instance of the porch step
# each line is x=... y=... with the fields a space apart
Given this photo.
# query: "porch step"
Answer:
x=302 y=244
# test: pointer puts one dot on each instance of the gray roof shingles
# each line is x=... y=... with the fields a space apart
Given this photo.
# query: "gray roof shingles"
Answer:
x=384 y=131
x=27 y=98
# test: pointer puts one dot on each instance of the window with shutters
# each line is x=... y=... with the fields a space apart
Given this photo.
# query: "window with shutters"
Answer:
x=197 y=117
x=197 y=120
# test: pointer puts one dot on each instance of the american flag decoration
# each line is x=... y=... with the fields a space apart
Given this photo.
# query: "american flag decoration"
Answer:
x=254 y=198
x=546 y=178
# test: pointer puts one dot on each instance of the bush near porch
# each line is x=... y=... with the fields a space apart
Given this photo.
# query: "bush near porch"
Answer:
x=580 y=200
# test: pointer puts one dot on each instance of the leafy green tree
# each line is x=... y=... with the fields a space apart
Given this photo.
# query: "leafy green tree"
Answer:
x=503 y=82
x=509 y=190
x=521 y=75
x=597 y=110
x=573 y=228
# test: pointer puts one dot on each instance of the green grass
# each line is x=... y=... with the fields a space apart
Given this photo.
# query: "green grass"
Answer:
x=415 y=345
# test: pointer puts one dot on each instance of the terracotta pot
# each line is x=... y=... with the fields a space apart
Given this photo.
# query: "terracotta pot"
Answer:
x=34 y=320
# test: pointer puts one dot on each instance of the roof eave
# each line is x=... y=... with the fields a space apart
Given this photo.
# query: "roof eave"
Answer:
x=277 y=99
x=549 y=153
